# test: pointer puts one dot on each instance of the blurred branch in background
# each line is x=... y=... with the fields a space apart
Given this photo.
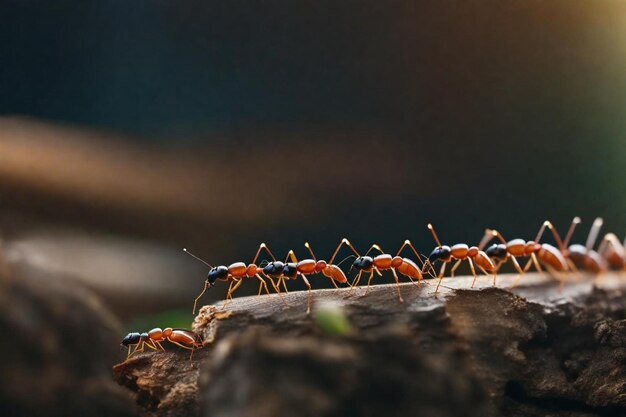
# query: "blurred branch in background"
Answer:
x=115 y=215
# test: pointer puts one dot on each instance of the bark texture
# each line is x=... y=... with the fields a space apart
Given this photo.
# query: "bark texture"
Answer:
x=535 y=349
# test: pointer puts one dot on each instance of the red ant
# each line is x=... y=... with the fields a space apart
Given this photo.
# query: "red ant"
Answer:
x=550 y=256
x=184 y=338
x=382 y=262
x=460 y=252
x=234 y=272
x=583 y=257
x=613 y=251
x=291 y=270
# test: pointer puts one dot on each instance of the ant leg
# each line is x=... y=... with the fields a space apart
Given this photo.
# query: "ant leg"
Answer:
x=533 y=261
x=455 y=267
x=276 y=286
x=368 y=282
x=518 y=268
x=593 y=232
x=308 y=284
x=395 y=276
x=471 y=264
x=262 y=284
x=237 y=285
x=192 y=349
x=495 y=274
x=151 y=345
x=158 y=343
x=541 y=230
x=533 y=257
x=487 y=237
x=344 y=241
x=374 y=246
x=229 y=294
x=410 y=245
x=556 y=236
x=497 y=234
x=430 y=267
x=442 y=271
x=284 y=285
x=356 y=281
x=258 y=252
x=128 y=355
x=570 y=231
x=441 y=274
x=195 y=302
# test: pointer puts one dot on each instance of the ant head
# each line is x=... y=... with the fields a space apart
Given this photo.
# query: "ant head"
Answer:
x=217 y=272
x=497 y=251
x=363 y=263
x=274 y=268
x=290 y=270
x=440 y=253
x=131 y=339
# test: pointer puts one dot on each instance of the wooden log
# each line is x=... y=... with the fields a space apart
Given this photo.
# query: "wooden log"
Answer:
x=534 y=349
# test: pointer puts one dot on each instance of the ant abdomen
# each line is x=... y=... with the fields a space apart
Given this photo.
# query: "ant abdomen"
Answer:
x=307 y=266
x=238 y=269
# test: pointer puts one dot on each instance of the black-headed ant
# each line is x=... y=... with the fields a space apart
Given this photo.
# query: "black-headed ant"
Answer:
x=234 y=272
x=291 y=270
x=460 y=252
x=614 y=252
x=383 y=262
x=184 y=338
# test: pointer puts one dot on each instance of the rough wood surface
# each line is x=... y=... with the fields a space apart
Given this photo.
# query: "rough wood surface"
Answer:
x=536 y=349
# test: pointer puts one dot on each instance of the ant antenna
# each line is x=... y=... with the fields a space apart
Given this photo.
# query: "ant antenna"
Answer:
x=570 y=232
x=432 y=230
x=345 y=259
x=201 y=260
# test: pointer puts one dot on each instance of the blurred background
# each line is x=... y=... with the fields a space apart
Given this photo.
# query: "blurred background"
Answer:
x=132 y=130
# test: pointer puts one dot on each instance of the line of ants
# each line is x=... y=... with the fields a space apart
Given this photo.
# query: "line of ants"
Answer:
x=557 y=260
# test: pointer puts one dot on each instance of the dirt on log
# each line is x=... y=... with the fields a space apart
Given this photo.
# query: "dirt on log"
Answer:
x=535 y=349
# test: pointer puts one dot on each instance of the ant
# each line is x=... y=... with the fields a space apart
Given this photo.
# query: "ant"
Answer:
x=295 y=268
x=382 y=262
x=184 y=338
x=613 y=251
x=460 y=252
x=549 y=255
x=236 y=272
x=583 y=257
